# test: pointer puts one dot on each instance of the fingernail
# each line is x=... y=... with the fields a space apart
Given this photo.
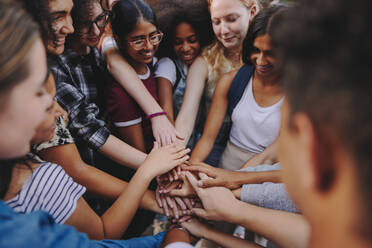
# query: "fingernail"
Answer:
x=200 y=183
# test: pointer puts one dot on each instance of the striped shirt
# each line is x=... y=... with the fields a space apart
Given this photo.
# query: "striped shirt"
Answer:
x=49 y=189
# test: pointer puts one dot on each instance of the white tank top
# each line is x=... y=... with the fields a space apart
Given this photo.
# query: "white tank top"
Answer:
x=254 y=127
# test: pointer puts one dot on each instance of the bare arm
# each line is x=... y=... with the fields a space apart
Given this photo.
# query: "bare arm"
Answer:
x=215 y=118
x=195 y=83
x=133 y=136
x=164 y=132
x=201 y=230
x=268 y=156
x=269 y=223
x=113 y=223
x=95 y=180
x=165 y=92
x=122 y=153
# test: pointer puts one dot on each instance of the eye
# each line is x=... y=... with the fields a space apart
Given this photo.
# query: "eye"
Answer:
x=216 y=22
x=41 y=92
x=231 y=18
x=138 y=42
x=178 y=42
x=193 y=39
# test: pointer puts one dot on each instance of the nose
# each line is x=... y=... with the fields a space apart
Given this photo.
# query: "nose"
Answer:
x=68 y=28
x=261 y=59
x=186 y=46
x=224 y=28
x=148 y=44
x=95 y=30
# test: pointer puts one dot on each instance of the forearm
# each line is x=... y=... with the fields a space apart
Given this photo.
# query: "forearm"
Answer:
x=202 y=149
x=227 y=241
x=283 y=228
x=126 y=76
x=123 y=153
x=117 y=218
x=268 y=156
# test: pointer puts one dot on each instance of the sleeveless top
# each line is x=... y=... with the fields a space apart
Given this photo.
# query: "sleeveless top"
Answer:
x=254 y=127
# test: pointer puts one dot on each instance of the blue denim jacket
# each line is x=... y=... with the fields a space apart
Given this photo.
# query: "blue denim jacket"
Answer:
x=38 y=229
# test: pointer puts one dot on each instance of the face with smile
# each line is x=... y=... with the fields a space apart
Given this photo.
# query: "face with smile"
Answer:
x=262 y=57
x=91 y=26
x=230 y=21
x=143 y=33
x=45 y=131
x=60 y=11
x=186 y=43
x=24 y=107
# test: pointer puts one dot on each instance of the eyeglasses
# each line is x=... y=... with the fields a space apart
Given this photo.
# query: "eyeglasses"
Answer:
x=101 y=22
x=140 y=43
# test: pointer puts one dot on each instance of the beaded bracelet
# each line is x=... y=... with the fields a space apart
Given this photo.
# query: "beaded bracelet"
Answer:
x=156 y=114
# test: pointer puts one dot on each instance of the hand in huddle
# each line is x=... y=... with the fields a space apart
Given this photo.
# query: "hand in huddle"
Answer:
x=216 y=176
x=218 y=202
x=162 y=159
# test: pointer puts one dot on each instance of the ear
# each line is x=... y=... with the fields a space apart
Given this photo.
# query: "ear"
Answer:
x=317 y=150
x=253 y=12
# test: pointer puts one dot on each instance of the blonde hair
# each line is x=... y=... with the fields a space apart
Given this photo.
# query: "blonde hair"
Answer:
x=246 y=3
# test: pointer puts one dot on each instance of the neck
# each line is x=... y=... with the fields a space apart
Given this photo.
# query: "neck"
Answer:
x=234 y=54
x=271 y=80
x=78 y=47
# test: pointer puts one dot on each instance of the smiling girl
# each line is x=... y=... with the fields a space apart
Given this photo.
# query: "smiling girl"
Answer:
x=188 y=30
x=138 y=38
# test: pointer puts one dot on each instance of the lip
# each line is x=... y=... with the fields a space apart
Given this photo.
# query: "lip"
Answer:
x=264 y=69
x=228 y=39
x=93 y=39
x=188 y=57
x=60 y=41
x=149 y=55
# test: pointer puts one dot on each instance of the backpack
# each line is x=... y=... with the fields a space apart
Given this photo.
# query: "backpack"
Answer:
x=238 y=86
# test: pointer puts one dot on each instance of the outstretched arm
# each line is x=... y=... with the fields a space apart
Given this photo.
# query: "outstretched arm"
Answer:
x=215 y=118
x=269 y=223
x=195 y=83
x=113 y=223
x=201 y=230
x=163 y=130
x=95 y=180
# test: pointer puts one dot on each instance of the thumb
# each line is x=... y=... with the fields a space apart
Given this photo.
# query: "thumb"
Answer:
x=200 y=213
x=156 y=145
x=194 y=183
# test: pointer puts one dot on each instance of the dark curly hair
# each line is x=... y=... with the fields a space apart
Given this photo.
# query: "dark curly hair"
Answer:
x=194 y=13
x=326 y=56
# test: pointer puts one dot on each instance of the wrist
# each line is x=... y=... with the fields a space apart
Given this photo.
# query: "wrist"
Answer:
x=156 y=114
x=145 y=172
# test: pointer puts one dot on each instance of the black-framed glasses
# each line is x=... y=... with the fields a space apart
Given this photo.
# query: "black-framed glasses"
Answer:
x=140 y=43
x=100 y=21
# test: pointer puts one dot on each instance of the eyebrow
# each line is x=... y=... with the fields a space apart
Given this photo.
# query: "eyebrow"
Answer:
x=59 y=13
x=143 y=36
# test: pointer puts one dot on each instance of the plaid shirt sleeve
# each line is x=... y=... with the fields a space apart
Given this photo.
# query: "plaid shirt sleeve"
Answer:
x=83 y=122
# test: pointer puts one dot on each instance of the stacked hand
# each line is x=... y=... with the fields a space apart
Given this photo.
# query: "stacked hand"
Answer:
x=182 y=189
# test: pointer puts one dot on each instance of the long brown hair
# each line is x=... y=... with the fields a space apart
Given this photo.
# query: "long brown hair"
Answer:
x=18 y=33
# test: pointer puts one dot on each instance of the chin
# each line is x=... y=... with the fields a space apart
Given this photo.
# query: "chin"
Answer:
x=56 y=50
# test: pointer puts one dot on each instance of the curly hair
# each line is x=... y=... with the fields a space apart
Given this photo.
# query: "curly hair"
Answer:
x=194 y=13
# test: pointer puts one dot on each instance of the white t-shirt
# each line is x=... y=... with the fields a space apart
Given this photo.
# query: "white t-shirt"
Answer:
x=254 y=128
x=166 y=68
